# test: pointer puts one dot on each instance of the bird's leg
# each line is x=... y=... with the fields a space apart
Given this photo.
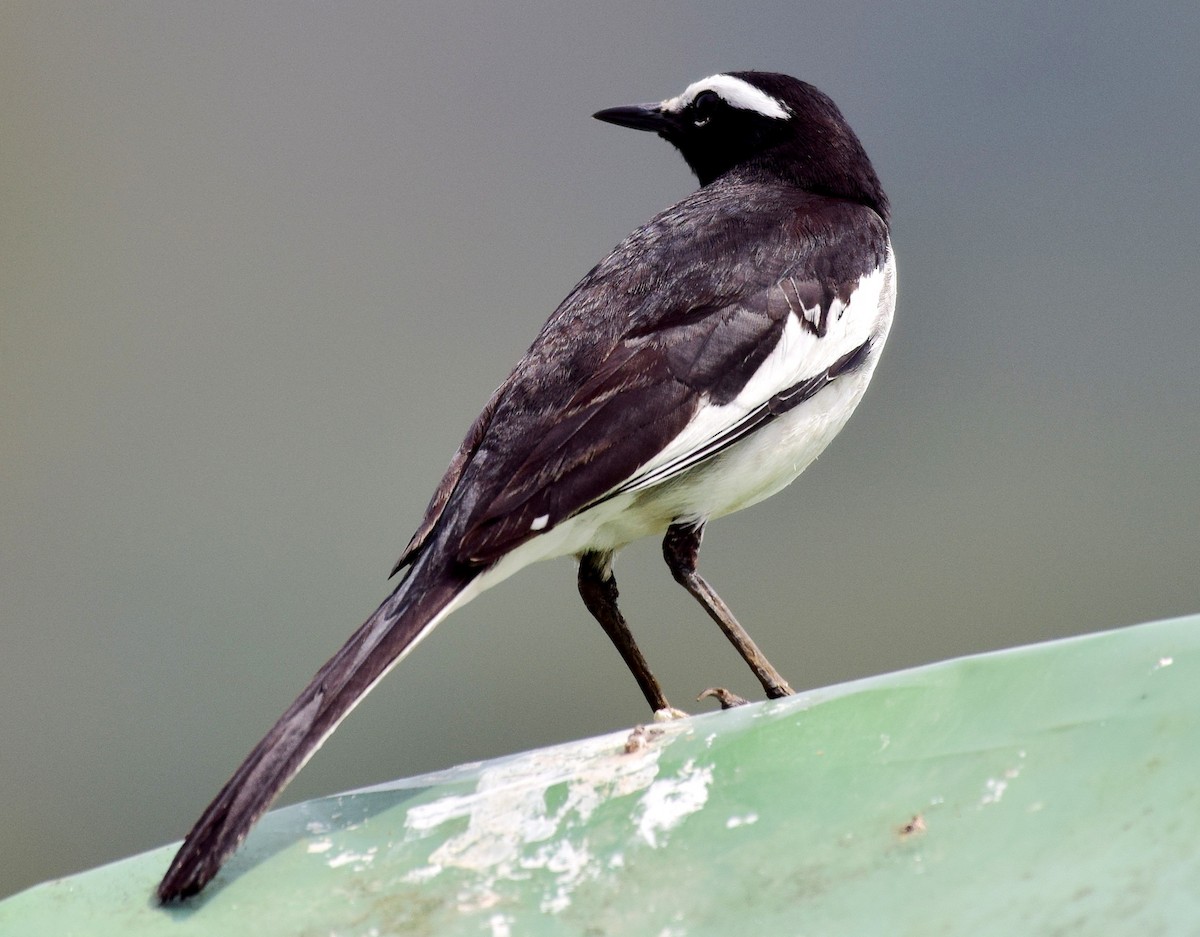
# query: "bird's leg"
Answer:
x=598 y=588
x=681 y=548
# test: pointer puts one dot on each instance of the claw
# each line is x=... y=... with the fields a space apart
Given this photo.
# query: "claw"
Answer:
x=723 y=696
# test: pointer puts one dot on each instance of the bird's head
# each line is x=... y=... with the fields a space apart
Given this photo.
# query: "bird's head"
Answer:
x=761 y=121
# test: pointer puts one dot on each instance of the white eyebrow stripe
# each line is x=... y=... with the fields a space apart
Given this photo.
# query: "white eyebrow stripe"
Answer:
x=735 y=92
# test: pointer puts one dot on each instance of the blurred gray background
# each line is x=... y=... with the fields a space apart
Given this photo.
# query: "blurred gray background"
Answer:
x=261 y=264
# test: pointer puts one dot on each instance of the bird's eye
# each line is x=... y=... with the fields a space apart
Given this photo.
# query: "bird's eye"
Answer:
x=704 y=107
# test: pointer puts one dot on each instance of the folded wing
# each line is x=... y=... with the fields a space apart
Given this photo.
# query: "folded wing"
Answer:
x=665 y=389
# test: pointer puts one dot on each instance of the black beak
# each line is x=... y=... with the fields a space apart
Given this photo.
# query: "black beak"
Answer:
x=637 y=116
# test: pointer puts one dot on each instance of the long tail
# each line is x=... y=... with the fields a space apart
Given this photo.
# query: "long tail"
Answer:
x=416 y=605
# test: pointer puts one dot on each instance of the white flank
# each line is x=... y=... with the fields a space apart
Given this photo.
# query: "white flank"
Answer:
x=799 y=355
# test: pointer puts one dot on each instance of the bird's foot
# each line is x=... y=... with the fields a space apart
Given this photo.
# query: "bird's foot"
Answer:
x=726 y=698
x=641 y=736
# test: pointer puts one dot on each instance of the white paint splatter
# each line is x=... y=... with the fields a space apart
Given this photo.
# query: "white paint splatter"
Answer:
x=508 y=813
x=422 y=874
x=347 y=857
x=669 y=801
x=993 y=790
x=571 y=865
x=501 y=925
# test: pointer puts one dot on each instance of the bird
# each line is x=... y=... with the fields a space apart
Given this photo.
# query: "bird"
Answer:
x=697 y=369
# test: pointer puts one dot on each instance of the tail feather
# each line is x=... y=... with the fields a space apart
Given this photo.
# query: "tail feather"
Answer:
x=415 y=605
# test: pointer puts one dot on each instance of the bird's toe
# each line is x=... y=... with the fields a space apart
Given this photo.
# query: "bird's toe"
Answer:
x=726 y=698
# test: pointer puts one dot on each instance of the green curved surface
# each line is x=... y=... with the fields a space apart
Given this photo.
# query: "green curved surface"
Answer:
x=1044 y=790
